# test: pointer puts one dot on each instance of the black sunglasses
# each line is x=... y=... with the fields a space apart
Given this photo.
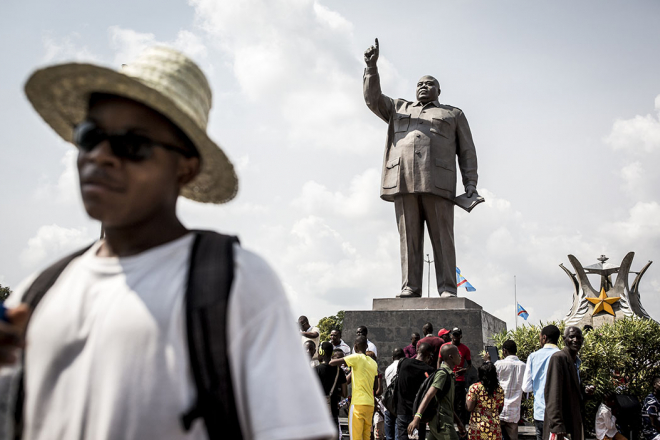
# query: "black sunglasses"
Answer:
x=127 y=145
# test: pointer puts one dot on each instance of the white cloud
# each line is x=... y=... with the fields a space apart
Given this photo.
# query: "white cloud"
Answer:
x=65 y=190
x=52 y=241
x=361 y=201
x=296 y=57
x=641 y=134
x=68 y=48
x=128 y=44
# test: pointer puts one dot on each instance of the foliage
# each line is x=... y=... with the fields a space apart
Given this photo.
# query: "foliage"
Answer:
x=4 y=292
x=622 y=357
x=327 y=324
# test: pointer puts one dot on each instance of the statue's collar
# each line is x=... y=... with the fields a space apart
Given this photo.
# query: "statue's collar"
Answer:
x=435 y=103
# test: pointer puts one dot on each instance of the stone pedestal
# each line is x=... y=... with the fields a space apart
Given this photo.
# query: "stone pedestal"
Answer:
x=392 y=320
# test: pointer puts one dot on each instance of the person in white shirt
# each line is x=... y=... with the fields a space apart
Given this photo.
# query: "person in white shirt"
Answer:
x=106 y=350
x=606 y=421
x=510 y=373
x=309 y=333
x=338 y=343
x=390 y=374
x=362 y=331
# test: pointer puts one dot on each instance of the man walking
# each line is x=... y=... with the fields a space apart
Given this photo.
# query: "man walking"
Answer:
x=134 y=346
x=441 y=427
x=563 y=390
x=364 y=371
x=411 y=375
x=424 y=138
x=338 y=343
x=535 y=374
x=510 y=372
x=390 y=374
x=459 y=372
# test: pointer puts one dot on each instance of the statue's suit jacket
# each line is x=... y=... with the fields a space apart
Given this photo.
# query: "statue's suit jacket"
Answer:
x=563 y=397
x=422 y=144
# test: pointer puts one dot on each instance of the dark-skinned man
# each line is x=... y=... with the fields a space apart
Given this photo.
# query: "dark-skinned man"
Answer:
x=412 y=373
x=564 y=401
x=309 y=333
x=651 y=412
x=333 y=380
x=390 y=373
x=364 y=372
x=441 y=427
x=434 y=341
x=117 y=333
x=510 y=373
x=363 y=331
x=411 y=350
x=535 y=373
x=459 y=371
x=338 y=343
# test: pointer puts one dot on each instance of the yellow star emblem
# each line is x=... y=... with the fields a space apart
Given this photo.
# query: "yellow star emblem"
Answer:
x=603 y=303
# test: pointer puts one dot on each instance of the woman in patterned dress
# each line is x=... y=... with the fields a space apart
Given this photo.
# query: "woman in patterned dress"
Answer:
x=485 y=400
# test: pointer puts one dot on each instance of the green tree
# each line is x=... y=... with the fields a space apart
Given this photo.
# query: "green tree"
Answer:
x=4 y=292
x=621 y=357
x=327 y=324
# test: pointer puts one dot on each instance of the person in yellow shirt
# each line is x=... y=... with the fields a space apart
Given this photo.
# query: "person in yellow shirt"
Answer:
x=364 y=372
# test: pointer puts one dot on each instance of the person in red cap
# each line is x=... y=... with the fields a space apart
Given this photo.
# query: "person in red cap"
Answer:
x=445 y=335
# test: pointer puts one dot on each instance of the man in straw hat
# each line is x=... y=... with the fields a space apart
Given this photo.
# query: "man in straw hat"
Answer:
x=150 y=329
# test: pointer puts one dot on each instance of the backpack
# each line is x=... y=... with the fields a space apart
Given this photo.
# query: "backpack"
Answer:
x=210 y=277
x=390 y=398
x=432 y=408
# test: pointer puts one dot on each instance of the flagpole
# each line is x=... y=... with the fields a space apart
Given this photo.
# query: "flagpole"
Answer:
x=428 y=289
x=515 y=300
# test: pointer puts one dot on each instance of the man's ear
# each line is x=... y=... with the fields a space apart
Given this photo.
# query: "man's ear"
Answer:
x=188 y=169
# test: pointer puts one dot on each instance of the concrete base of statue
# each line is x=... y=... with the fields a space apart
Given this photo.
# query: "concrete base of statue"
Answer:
x=392 y=320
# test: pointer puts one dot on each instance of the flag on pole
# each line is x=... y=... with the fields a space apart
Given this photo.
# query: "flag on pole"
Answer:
x=522 y=312
x=462 y=282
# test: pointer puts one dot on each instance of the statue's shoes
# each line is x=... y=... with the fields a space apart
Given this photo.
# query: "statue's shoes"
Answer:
x=446 y=294
x=408 y=294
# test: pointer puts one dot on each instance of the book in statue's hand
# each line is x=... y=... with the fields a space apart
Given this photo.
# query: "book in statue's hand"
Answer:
x=468 y=203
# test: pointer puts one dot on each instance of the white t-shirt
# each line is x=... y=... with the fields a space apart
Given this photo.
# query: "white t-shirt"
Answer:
x=390 y=372
x=605 y=422
x=107 y=356
x=370 y=347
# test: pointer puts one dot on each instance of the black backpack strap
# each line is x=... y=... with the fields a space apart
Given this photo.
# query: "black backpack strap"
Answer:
x=32 y=296
x=207 y=299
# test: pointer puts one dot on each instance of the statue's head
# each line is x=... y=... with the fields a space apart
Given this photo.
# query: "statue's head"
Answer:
x=428 y=89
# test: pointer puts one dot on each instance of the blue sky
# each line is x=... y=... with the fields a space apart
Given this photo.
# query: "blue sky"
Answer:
x=560 y=96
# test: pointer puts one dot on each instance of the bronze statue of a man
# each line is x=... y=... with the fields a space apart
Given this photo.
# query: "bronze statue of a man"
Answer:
x=419 y=173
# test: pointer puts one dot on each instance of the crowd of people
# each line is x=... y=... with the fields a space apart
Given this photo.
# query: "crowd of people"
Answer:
x=428 y=396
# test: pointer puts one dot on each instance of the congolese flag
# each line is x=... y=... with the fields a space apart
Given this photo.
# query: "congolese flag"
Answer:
x=462 y=282
x=522 y=312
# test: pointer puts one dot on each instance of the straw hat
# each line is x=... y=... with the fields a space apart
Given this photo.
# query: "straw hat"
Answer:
x=162 y=79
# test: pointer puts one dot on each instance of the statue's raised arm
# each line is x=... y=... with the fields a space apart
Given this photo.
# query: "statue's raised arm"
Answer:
x=378 y=103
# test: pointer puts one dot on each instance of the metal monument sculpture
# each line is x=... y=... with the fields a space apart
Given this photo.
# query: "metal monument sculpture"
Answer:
x=613 y=300
x=424 y=139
